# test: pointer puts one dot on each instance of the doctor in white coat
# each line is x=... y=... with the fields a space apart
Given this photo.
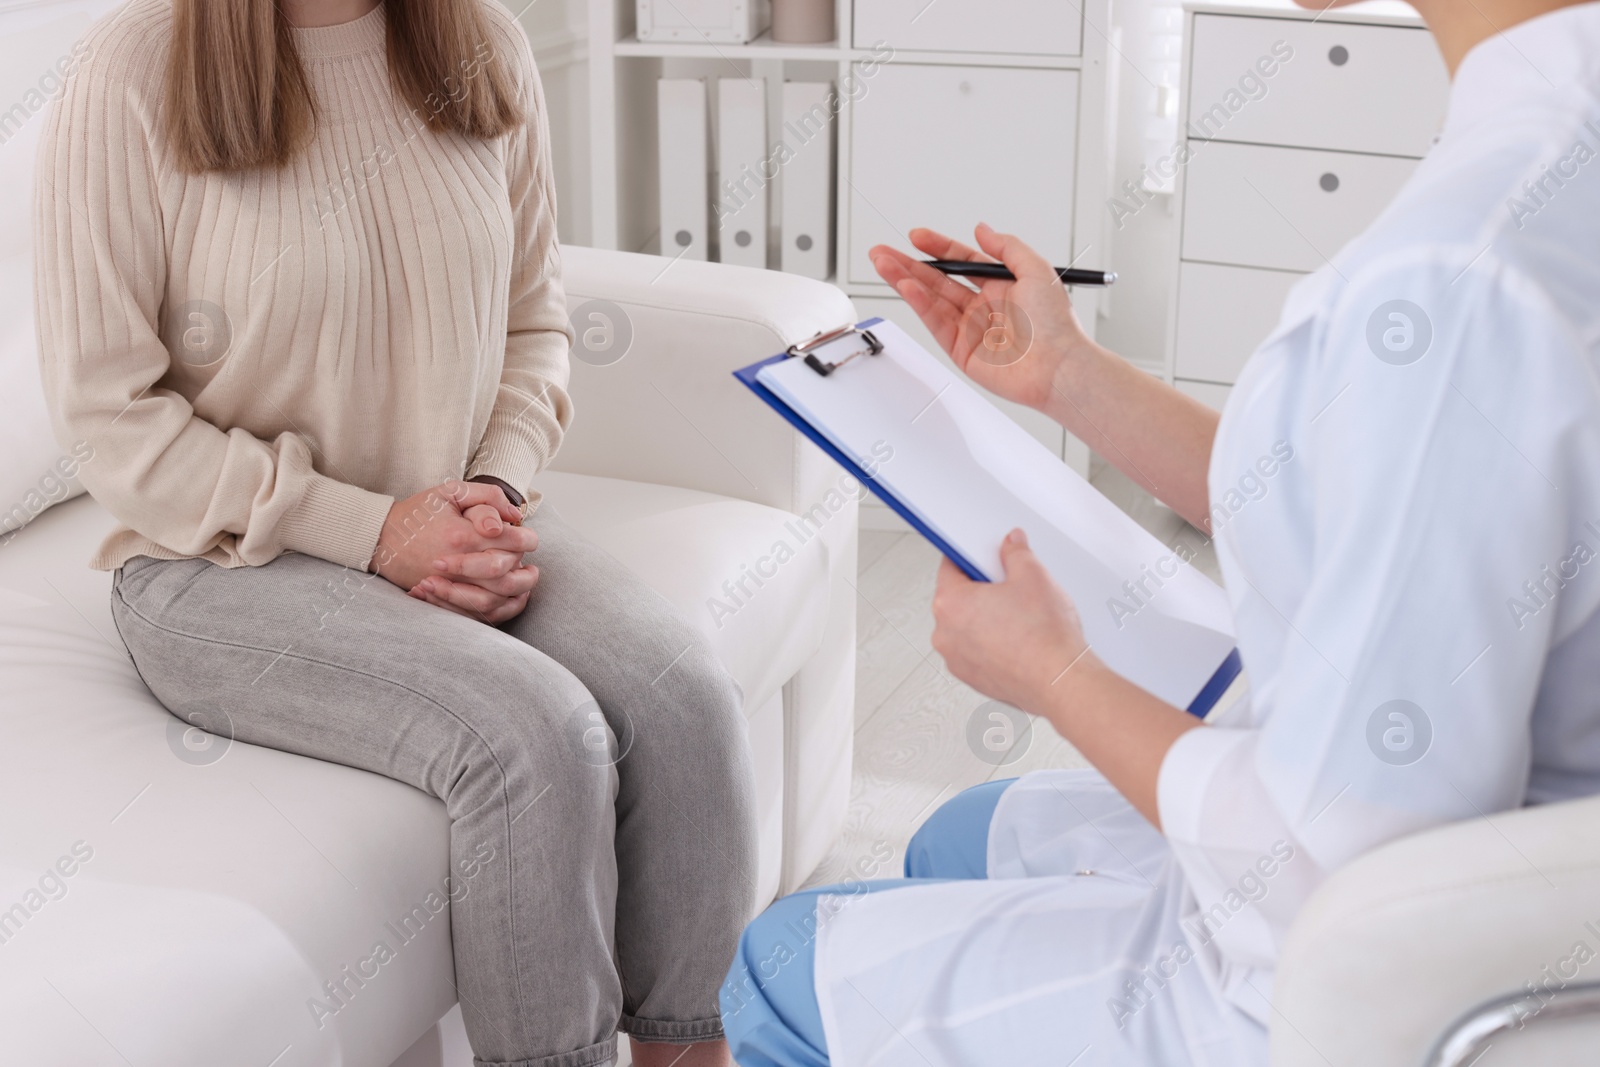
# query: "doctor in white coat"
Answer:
x=1404 y=491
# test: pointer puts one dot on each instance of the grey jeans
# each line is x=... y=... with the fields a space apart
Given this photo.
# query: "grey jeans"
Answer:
x=593 y=747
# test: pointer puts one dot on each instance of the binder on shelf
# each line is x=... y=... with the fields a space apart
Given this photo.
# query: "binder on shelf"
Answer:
x=807 y=214
x=742 y=171
x=684 y=161
x=964 y=475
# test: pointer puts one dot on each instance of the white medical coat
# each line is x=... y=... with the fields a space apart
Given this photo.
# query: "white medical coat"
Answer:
x=1406 y=501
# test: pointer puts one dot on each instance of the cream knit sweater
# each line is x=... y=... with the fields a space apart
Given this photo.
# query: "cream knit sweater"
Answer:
x=264 y=361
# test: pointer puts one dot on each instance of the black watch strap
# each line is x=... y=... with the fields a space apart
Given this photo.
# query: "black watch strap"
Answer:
x=512 y=495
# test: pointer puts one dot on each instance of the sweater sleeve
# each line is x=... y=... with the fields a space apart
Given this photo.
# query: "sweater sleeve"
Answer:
x=101 y=265
x=532 y=409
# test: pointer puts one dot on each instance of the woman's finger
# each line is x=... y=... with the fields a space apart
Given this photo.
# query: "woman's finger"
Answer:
x=1017 y=255
x=942 y=315
x=942 y=319
x=940 y=284
x=511 y=609
x=515 y=582
x=477 y=566
x=465 y=495
x=485 y=519
x=939 y=246
x=473 y=600
x=518 y=539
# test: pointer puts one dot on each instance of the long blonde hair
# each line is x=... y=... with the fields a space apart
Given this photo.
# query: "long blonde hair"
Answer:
x=237 y=95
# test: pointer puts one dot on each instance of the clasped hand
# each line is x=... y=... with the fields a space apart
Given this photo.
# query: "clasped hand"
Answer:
x=460 y=546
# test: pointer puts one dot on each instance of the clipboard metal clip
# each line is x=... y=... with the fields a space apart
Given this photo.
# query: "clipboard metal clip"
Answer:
x=807 y=349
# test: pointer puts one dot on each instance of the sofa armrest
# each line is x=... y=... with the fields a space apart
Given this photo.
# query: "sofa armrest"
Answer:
x=661 y=405
x=1401 y=944
x=669 y=411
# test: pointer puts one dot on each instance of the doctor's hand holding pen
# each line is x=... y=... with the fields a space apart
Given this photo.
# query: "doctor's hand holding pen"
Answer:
x=1020 y=640
x=1011 y=337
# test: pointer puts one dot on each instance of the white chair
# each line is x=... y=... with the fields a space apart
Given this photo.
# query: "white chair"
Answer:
x=1473 y=944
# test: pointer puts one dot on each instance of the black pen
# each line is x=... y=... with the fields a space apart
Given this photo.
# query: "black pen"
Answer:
x=998 y=271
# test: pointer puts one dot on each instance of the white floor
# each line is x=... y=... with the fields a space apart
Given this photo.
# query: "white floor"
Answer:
x=911 y=752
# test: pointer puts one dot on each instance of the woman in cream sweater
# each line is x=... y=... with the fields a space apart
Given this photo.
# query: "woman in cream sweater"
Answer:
x=299 y=286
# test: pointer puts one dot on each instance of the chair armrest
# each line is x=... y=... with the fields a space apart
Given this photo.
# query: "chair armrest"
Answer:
x=669 y=411
x=1401 y=944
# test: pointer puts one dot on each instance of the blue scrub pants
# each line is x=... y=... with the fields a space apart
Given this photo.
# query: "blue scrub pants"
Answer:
x=769 y=1002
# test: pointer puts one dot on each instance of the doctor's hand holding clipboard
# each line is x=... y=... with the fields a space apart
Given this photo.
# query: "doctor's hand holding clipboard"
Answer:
x=1021 y=640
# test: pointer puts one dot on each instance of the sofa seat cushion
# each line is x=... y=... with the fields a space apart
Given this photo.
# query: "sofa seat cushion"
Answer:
x=159 y=906
x=738 y=571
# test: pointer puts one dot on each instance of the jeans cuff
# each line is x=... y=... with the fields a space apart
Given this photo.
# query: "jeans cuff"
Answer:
x=673 y=1033
x=601 y=1054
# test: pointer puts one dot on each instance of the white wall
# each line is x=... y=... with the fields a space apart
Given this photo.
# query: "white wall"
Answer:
x=557 y=30
x=1143 y=246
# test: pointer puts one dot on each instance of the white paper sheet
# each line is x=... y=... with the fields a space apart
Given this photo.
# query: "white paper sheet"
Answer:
x=972 y=475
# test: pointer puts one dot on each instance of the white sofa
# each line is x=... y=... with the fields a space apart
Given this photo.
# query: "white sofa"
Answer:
x=216 y=887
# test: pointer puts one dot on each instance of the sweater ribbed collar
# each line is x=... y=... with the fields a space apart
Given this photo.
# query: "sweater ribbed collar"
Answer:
x=365 y=35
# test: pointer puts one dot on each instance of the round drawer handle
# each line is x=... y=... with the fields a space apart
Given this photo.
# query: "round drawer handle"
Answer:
x=1338 y=55
x=1329 y=182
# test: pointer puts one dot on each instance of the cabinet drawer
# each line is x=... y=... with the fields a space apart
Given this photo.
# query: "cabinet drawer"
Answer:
x=902 y=176
x=1208 y=393
x=1284 y=208
x=1009 y=27
x=1224 y=313
x=1348 y=87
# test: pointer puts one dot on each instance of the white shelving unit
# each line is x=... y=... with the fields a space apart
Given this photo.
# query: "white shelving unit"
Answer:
x=994 y=111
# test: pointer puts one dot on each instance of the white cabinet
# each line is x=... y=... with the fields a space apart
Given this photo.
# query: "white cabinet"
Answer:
x=999 y=27
x=1223 y=313
x=1284 y=208
x=1302 y=126
x=902 y=175
x=1344 y=86
x=946 y=113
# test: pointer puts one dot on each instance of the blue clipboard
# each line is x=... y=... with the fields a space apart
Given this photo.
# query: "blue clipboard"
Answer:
x=1209 y=694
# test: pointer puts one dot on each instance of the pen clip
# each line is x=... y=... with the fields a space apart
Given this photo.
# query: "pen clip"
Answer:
x=807 y=349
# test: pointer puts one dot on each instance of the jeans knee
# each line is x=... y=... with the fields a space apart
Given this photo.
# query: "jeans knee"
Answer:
x=536 y=737
x=699 y=716
x=699 y=679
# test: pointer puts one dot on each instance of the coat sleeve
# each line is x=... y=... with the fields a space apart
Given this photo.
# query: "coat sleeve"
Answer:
x=1440 y=492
